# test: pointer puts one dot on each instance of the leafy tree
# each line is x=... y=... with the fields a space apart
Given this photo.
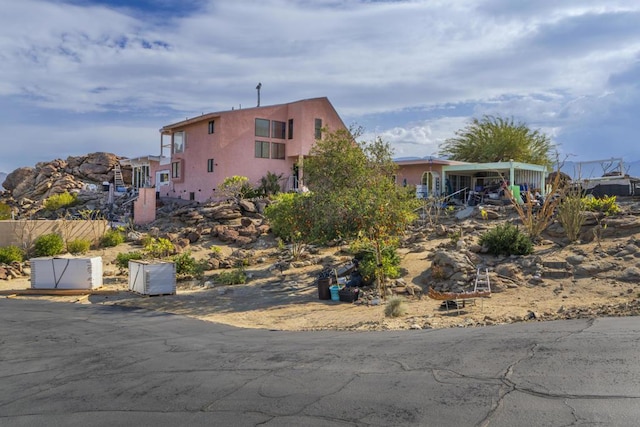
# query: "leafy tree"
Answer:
x=353 y=194
x=496 y=139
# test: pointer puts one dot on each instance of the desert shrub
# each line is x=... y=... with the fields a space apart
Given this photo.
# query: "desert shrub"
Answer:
x=455 y=236
x=237 y=276
x=606 y=204
x=112 y=238
x=159 y=248
x=9 y=254
x=146 y=240
x=570 y=216
x=270 y=184
x=395 y=307
x=365 y=253
x=237 y=187
x=61 y=200
x=123 y=258
x=48 y=245
x=5 y=211
x=506 y=239
x=187 y=265
x=78 y=246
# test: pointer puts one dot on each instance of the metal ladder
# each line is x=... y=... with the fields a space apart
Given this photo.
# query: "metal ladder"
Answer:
x=117 y=177
x=482 y=281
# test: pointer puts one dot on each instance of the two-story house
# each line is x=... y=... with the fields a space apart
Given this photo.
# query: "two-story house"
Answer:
x=197 y=154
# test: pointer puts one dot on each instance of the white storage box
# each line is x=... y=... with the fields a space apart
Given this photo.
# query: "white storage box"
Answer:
x=66 y=273
x=152 y=277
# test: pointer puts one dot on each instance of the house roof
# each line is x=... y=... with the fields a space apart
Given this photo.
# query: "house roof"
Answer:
x=498 y=166
x=209 y=116
x=426 y=161
x=140 y=160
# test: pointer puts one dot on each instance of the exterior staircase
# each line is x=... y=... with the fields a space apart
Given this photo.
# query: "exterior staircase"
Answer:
x=556 y=270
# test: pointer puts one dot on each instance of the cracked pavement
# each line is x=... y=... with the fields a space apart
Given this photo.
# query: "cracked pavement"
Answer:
x=78 y=365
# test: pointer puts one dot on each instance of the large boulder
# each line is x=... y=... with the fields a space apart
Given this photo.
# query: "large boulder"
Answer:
x=20 y=181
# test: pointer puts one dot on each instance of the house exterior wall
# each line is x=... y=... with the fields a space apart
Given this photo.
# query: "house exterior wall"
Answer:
x=413 y=173
x=232 y=146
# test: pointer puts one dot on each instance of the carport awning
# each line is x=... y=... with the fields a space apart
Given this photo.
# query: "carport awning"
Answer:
x=519 y=173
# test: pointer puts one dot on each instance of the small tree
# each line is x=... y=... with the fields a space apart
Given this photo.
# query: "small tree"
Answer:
x=353 y=194
x=288 y=219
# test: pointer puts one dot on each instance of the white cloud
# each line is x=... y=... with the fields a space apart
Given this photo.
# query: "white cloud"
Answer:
x=551 y=64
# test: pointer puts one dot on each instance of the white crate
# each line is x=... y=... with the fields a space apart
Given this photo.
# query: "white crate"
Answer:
x=152 y=277
x=66 y=273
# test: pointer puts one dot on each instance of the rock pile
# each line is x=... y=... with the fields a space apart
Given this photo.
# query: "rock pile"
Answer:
x=11 y=271
x=27 y=187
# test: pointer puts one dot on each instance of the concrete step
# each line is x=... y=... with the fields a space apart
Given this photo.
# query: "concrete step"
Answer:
x=559 y=265
x=556 y=274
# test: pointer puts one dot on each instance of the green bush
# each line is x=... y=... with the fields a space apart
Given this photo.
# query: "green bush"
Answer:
x=78 y=246
x=9 y=254
x=606 y=204
x=159 y=248
x=507 y=240
x=112 y=238
x=187 y=265
x=237 y=187
x=5 y=211
x=48 y=245
x=234 y=277
x=61 y=200
x=123 y=258
x=364 y=252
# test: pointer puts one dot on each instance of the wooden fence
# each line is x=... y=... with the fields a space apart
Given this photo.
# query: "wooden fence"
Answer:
x=22 y=233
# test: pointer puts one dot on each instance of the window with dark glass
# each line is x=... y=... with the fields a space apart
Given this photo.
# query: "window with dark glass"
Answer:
x=262 y=149
x=262 y=128
x=175 y=170
x=278 y=129
x=212 y=126
x=318 y=128
x=210 y=165
x=277 y=150
x=290 y=128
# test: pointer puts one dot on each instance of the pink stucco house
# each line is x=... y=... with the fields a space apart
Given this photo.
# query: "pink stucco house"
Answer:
x=197 y=154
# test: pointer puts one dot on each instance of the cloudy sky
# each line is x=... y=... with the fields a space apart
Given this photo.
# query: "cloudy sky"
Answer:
x=78 y=76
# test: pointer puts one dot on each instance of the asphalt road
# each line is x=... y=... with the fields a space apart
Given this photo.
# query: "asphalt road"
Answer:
x=87 y=365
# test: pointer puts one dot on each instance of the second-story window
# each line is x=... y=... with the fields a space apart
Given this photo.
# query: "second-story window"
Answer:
x=318 y=128
x=211 y=126
x=290 y=128
x=262 y=128
x=210 y=165
x=178 y=142
x=278 y=129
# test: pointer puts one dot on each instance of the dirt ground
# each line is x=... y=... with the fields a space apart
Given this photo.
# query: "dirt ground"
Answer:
x=289 y=300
